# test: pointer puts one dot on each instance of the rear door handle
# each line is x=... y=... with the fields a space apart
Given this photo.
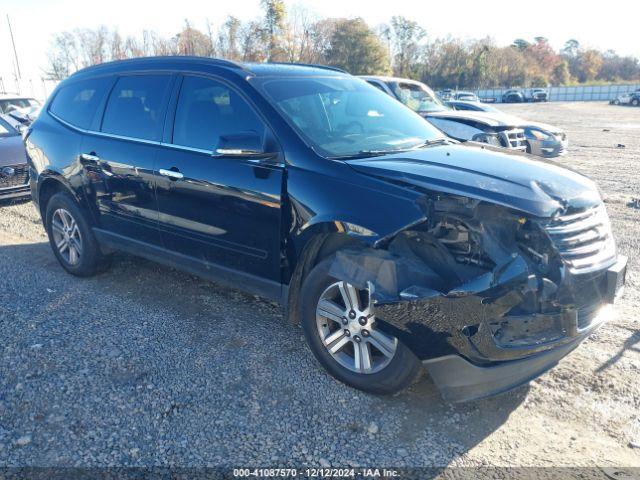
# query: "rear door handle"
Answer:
x=172 y=174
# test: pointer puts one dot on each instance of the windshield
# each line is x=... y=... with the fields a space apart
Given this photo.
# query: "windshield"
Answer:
x=417 y=97
x=8 y=105
x=345 y=116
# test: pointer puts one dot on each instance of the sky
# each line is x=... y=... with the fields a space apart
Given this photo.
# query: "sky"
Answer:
x=614 y=26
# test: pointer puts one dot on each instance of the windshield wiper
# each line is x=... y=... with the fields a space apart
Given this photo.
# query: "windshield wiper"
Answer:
x=431 y=143
x=378 y=153
x=368 y=153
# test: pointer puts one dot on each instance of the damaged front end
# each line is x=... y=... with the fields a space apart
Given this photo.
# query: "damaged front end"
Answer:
x=488 y=297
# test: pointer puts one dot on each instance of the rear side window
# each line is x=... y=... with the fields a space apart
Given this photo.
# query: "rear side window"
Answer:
x=77 y=102
x=136 y=105
x=207 y=110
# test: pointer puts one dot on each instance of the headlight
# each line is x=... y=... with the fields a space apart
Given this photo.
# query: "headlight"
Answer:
x=535 y=134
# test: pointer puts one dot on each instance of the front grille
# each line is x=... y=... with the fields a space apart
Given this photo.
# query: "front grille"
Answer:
x=18 y=179
x=583 y=240
x=515 y=139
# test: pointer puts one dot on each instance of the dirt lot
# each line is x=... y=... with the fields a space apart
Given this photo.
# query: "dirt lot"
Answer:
x=144 y=365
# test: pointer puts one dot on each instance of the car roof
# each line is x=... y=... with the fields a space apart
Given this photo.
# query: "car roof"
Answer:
x=10 y=96
x=190 y=62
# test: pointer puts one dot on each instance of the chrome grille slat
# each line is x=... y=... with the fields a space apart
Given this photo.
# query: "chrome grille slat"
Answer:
x=583 y=239
x=19 y=178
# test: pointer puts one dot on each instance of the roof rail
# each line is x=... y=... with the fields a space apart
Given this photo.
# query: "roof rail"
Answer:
x=217 y=61
x=314 y=65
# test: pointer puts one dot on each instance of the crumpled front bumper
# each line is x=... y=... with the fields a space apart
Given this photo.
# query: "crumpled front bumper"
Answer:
x=474 y=346
x=460 y=380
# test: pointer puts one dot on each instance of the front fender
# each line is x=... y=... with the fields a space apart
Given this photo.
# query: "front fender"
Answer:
x=360 y=206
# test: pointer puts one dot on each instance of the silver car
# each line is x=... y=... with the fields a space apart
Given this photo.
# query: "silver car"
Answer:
x=14 y=173
x=476 y=126
x=541 y=139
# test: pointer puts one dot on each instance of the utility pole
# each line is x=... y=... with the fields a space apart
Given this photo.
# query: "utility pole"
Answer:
x=15 y=53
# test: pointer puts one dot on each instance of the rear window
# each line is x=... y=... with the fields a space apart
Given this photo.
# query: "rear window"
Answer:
x=135 y=107
x=77 y=102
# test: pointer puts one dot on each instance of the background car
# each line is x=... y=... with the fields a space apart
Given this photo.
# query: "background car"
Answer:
x=9 y=103
x=628 y=98
x=513 y=96
x=14 y=173
x=539 y=95
x=445 y=94
x=468 y=96
x=477 y=126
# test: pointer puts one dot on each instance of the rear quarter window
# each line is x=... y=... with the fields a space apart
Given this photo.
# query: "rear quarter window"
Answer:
x=77 y=102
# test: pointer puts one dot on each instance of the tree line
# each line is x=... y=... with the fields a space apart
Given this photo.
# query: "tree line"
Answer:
x=401 y=48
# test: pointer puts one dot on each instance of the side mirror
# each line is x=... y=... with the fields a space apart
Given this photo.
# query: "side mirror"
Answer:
x=244 y=144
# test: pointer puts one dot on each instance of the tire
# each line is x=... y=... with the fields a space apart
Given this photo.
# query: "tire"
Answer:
x=391 y=374
x=635 y=102
x=616 y=102
x=63 y=215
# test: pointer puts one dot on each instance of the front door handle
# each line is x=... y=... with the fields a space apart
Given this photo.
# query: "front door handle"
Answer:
x=172 y=174
x=91 y=157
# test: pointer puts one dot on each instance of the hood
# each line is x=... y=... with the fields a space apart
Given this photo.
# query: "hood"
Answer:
x=493 y=119
x=12 y=151
x=536 y=187
x=542 y=126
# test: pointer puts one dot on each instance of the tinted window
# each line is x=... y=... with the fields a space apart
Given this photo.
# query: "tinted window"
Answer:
x=77 y=102
x=207 y=110
x=135 y=107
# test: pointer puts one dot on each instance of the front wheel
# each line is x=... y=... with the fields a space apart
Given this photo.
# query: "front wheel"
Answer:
x=71 y=238
x=341 y=328
x=635 y=102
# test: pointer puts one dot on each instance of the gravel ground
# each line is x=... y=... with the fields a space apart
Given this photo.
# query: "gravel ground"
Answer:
x=144 y=365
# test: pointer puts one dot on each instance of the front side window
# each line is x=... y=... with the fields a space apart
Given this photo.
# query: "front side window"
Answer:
x=344 y=116
x=76 y=103
x=136 y=105
x=417 y=97
x=208 y=110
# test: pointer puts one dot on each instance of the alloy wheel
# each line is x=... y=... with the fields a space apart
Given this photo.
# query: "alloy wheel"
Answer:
x=66 y=236
x=346 y=324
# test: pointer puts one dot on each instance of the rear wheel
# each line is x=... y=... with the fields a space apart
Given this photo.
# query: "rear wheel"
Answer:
x=71 y=238
x=635 y=102
x=341 y=328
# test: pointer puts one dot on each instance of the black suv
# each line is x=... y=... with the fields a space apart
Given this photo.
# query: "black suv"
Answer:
x=390 y=244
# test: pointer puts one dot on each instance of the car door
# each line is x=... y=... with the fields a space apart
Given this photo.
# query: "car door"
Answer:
x=222 y=212
x=120 y=157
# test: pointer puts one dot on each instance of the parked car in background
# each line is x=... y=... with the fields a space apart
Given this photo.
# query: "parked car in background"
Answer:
x=467 y=96
x=445 y=94
x=389 y=243
x=14 y=172
x=538 y=95
x=22 y=109
x=541 y=139
x=629 y=98
x=464 y=126
x=9 y=103
x=513 y=96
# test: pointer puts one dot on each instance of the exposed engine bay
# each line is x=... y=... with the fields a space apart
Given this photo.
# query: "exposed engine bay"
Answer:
x=484 y=280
